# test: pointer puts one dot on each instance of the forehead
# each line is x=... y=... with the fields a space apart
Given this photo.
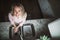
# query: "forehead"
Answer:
x=17 y=8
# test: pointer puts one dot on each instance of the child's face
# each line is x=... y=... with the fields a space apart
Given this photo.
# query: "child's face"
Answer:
x=17 y=11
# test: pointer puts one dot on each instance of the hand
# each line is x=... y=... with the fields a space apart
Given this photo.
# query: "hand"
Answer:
x=15 y=29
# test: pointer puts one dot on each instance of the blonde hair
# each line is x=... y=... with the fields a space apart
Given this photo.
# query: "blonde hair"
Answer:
x=18 y=5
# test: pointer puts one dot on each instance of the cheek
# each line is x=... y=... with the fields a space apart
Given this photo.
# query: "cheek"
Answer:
x=19 y=12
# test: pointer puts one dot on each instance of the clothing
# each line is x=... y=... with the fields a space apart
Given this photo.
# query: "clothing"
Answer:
x=12 y=35
x=15 y=20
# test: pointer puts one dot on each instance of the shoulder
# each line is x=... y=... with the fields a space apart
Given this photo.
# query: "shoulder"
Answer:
x=25 y=14
x=9 y=14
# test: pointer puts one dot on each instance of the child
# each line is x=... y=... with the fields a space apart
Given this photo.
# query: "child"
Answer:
x=17 y=16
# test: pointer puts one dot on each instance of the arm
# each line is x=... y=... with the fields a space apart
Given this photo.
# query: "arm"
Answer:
x=24 y=19
x=11 y=20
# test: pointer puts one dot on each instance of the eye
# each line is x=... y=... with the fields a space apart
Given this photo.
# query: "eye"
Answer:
x=19 y=11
